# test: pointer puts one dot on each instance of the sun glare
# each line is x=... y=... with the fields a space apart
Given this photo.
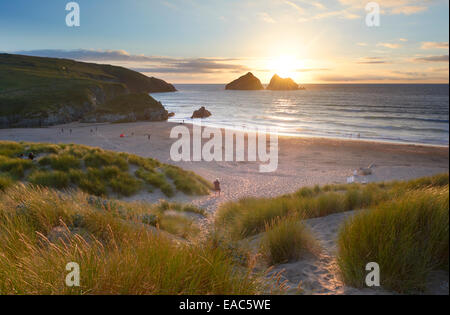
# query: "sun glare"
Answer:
x=285 y=66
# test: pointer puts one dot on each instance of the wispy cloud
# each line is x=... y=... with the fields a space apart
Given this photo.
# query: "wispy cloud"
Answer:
x=389 y=45
x=264 y=16
x=372 y=60
x=435 y=45
x=442 y=58
x=148 y=64
x=406 y=7
x=408 y=10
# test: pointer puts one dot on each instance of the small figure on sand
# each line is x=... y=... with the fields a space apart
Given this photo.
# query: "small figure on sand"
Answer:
x=70 y=131
x=149 y=137
x=31 y=156
x=217 y=187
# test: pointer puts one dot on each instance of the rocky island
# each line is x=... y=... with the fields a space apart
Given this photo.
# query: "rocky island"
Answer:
x=282 y=84
x=246 y=82
x=201 y=113
x=38 y=92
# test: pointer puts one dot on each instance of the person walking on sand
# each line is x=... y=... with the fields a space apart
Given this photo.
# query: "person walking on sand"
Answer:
x=31 y=156
x=217 y=187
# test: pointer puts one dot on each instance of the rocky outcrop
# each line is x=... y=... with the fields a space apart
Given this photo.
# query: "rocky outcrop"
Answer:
x=246 y=82
x=49 y=91
x=280 y=84
x=201 y=113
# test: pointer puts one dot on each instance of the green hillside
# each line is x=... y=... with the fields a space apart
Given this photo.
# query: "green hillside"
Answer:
x=37 y=91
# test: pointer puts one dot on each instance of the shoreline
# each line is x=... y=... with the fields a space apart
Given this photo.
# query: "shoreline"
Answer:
x=303 y=161
x=287 y=135
x=280 y=135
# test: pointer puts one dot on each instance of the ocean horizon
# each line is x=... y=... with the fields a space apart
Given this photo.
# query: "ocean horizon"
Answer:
x=399 y=113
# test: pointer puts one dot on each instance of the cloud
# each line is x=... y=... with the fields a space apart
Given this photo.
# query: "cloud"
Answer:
x=342 y=14
x=91 y=55
x=409 y=10
x=200 y=65
x=362 y=44
x=403 y=40
x=264 y=16
x=313 y=70
x=395 y=7
x=396 y=76
x=142 y=63
x=372 y=60
x=435 y=45
x=442 y=58
x=295 y=6
x=389 y=45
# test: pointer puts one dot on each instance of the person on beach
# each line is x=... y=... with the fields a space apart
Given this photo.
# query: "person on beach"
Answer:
x=31 y=156
x=217 y=187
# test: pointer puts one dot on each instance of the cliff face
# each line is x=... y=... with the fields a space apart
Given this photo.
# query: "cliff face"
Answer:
x=246 y=82
x=280 y=84
x=37 y=92
x=128 y=108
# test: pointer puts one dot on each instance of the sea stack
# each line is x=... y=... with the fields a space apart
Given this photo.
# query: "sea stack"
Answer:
x=245 y=83
x=281 y=84
x=201 y=113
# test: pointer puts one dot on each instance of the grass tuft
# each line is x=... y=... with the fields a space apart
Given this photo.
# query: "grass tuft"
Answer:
x=408 y=237
x=286 y=240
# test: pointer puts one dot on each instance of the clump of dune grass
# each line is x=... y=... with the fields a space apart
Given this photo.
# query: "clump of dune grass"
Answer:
x=56 y=179
x=187 y=182
x=407 y=236
x=116 y=244
x=285 y=240
x=250 y=216
x=5 y=182
x=95 y=171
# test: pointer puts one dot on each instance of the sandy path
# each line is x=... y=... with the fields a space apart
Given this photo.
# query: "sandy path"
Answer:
x=302 y=161
x=319 y=273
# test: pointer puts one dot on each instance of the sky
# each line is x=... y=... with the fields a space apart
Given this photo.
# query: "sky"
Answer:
x=216 y=41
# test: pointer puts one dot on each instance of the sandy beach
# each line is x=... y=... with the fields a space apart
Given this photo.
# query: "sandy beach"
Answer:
x=302 y=161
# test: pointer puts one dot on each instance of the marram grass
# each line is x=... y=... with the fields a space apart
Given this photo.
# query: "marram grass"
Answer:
x=93 y=170
x=408 y=237
x=122 y=248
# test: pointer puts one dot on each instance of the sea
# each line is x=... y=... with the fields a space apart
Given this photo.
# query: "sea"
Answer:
x=403 y=113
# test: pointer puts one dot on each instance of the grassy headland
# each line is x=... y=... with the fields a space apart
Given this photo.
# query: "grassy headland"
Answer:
x=37 y=91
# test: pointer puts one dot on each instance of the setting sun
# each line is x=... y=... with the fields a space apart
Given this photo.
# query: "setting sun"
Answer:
x=285 y=66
